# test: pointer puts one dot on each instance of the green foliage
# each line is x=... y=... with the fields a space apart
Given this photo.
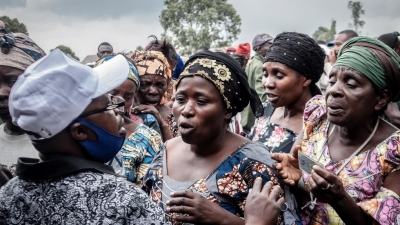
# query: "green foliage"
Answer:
x=325 y=34
x=356 y=12
x=194 y=23
x=67 y=50
x=13 y=25
x=139 y=48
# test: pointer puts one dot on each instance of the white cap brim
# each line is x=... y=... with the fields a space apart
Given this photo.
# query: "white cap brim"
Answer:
x=111 y=74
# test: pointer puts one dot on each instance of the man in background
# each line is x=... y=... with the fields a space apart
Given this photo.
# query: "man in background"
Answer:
x=331 y=58
x=104 y=50
x=261 y=44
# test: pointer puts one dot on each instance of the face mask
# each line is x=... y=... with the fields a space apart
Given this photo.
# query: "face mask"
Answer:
x=106 y=146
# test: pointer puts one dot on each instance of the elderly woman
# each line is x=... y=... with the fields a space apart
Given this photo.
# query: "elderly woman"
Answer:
x=18 y=52
x=142 y=143
x=292 y=66
x=155 y=90
x=349 y=156
x=204 y=175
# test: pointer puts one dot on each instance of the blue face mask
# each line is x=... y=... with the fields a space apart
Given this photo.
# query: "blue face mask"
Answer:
x=106 y=146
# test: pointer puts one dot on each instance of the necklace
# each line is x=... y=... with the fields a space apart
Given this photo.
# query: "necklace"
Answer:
x=359 y=149
x=313 y=201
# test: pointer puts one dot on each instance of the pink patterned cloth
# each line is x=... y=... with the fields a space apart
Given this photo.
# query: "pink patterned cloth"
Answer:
x=362 y=177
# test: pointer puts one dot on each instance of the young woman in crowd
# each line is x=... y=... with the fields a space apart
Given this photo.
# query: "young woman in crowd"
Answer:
x=205 y=175
x=358 y=153
x=142 y=142
x=293 y=64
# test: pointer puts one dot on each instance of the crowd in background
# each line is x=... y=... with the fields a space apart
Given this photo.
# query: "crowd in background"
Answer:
x=302 y=132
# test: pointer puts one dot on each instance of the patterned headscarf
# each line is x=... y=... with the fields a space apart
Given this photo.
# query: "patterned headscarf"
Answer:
x=301 y=53
x=227 y=76
x=18 y=50
x=375 y=60
x=133 y=74
x=154 y=63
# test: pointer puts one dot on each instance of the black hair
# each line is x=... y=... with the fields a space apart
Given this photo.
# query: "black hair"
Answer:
x=104 y=43
x=166 y=48
x=349 y=33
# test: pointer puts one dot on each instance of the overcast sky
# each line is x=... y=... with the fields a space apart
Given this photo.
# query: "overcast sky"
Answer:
x=84 y=24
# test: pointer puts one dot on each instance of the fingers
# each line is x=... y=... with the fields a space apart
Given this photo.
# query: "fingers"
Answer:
x=277 y=166
x=327 y=175
x=278 y=156
x=179 y=209
x=295 y=152
x=185 y=194
x=276 y=190
x=280 y=202
x=289 y=182
x=319 y=181
x=177 y=202
x=185 y=218
x=257 y=186
x=267 y=188
x=311 y=184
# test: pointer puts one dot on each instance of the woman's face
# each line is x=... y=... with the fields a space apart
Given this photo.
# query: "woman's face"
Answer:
x=350 y=97
x=127 y=91
x=199 y=110
x=8 y=77
x=282 y=84
x=152 y=89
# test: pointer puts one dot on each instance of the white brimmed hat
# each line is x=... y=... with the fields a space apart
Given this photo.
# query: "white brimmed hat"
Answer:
x=56 y=89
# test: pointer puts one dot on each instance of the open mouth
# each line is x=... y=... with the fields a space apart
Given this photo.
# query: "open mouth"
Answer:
x=272 y=97
x=152 y=103
x=334 y=109
x=185 y=127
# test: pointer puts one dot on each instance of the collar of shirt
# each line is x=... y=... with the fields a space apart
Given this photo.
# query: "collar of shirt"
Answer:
x=58 y=166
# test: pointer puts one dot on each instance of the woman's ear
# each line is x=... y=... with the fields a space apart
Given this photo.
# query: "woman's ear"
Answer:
x=383 y=98
x=307 y=83
x=79 y=132
x=228 y=115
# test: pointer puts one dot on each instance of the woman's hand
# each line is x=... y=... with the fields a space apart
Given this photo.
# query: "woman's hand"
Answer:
x=140 y=109
x=332 y=57
x=145 y=109
x=288 y=166
x=193 y=208
x=263 y=204
x=325 y=185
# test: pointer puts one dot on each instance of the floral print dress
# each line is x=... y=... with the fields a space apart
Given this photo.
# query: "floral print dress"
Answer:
x=362 y=177
x=228 y=186
x=275 y=137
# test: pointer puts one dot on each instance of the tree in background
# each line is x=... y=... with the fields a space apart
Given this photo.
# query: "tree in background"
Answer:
x=194 y=23
x=13 y=25
x=67 y=50
x=325 y=34
x=139 y=48
x=356 y=12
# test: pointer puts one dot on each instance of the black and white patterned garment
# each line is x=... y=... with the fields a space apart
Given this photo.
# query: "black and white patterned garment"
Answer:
x=83 y=198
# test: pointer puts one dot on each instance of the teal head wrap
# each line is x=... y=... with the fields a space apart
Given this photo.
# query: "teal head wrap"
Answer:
x=375 y=60
x=133 y=73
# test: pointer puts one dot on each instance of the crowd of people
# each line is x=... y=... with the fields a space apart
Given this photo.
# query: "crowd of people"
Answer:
x=303 y=132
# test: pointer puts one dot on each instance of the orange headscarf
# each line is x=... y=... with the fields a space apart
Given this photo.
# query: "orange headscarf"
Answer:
x=154 y=63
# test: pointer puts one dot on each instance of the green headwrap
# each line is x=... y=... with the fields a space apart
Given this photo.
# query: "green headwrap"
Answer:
x=375 y=60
